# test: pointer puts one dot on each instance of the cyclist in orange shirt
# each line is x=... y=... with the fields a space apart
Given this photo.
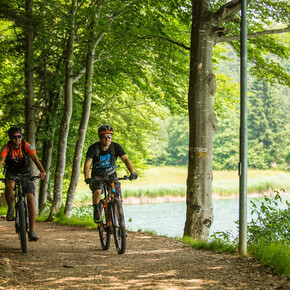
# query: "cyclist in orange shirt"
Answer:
x=16 y=154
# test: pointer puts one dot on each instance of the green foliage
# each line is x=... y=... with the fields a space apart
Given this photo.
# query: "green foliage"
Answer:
x=3 y=210
x=82 y=216
x=226 y=142
x=272 y=223
x=268 y=233
x=267 y=119
x=170 y=146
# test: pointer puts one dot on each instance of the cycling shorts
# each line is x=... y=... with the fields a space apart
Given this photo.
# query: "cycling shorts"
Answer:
x=27 y=186
x=99 y=183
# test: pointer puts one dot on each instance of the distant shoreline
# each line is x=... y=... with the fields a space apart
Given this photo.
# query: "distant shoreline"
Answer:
x=164 y=199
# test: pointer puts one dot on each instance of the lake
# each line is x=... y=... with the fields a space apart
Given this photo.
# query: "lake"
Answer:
x=169 y=218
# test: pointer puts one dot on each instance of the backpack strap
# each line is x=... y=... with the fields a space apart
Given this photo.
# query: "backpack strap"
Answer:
x=98 y=149
x=23 y=148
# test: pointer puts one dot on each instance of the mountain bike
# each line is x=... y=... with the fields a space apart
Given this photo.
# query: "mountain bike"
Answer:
x=112 y=218
x=21 y=208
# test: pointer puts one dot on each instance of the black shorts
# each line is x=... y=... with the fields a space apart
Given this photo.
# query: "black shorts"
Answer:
x=27 y=186
x=99 y=183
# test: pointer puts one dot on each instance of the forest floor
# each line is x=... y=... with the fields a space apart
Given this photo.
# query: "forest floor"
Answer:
x=71 y=258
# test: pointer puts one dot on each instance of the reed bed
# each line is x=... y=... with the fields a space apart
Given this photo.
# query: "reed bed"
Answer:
x=171 y=181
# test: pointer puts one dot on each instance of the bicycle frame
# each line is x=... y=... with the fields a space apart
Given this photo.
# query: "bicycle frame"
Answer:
x=112 y=218
x=108 y=197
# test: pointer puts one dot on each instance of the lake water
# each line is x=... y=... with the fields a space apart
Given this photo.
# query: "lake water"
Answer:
x=169 y=218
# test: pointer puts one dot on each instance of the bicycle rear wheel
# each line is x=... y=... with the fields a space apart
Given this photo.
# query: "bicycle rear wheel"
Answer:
x=21 y=227
x=104 y=229
x=119 y=226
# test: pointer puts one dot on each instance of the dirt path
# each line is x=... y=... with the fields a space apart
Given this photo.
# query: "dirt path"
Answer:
x=71 y=258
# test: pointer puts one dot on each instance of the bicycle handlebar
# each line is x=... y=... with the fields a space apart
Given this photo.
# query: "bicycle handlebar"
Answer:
x=125 y=177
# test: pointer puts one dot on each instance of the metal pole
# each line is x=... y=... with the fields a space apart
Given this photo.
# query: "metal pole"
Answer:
x=243 y=164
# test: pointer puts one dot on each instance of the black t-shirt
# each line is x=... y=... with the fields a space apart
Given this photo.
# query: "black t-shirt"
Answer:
x=103 y=160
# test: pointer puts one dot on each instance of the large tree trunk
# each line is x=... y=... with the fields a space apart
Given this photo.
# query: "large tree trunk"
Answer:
x=85 y=119
x=199 y=216
x=29 y=83
x=64 y=129
x=80 y=140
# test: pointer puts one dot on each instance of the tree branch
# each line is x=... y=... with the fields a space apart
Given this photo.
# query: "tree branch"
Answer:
x=253 y=35
x=177 y=43
x=164 y=38
x=227 y=11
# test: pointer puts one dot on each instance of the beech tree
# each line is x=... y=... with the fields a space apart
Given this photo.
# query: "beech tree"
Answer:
x=213 y=22
x=64 y=129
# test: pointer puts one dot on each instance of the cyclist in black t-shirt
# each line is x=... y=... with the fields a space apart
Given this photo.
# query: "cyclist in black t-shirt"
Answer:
x=102 y=156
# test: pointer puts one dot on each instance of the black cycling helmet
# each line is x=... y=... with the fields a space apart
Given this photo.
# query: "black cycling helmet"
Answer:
x=14 y=129
x=105 y=129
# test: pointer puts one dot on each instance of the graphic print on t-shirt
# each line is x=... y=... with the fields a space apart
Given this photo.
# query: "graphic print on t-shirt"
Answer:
x=105 y=161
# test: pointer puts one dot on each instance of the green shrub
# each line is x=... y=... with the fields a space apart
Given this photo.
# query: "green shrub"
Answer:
x=268 y=234
x=272 y=222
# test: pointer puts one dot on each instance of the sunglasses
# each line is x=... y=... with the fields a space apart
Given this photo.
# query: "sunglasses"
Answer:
x=17 y=136
x=106 y=137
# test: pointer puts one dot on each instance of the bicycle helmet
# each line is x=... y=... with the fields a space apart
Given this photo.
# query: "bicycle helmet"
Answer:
x=105 y=129
x=14 y=129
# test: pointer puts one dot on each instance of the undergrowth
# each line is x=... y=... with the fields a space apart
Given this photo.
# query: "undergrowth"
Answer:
x=268 y=235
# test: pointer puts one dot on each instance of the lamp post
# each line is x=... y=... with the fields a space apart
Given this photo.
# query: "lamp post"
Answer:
x=243 y=164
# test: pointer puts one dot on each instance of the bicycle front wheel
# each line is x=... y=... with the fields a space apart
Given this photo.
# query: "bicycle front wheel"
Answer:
x=119 y=226
x=103 y=227
x=20 y=212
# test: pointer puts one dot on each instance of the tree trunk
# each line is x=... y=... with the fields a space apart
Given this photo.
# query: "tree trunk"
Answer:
x=80 y=139
x=202 y=120
x=29 y=76
x=47 y=149
x=64 y=129
x=84 y=121
x=29 y=83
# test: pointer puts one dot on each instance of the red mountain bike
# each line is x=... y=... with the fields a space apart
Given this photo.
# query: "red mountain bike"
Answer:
x=112 y=219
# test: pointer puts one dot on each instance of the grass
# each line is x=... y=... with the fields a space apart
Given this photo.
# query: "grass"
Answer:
x=167 y=180
x=276 y=255
x=212 y=245
x=75 y=221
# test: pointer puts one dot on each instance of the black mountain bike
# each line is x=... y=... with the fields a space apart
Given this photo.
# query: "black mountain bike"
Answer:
x=21 y=208
x=112 y=219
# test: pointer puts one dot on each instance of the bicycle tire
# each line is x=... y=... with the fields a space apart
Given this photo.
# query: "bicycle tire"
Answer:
x=104 y=229
x=119 y=230
x=22 y=226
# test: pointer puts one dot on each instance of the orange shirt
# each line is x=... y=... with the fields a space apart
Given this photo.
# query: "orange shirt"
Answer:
x=16 y=154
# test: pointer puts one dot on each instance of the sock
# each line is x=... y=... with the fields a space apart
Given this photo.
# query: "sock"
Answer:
x=96 y=206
